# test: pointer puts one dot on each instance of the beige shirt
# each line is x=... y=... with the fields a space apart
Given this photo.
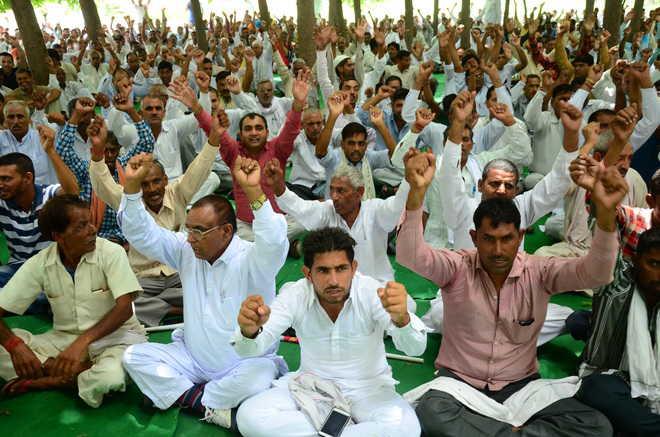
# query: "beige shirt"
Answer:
x=173 y=213
x=101 y=277
x=576 y=230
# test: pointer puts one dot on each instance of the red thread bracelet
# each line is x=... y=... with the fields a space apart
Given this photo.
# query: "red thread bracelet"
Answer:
x=11 y=344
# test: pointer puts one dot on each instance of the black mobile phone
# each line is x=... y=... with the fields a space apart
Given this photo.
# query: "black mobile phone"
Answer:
x=335 y=423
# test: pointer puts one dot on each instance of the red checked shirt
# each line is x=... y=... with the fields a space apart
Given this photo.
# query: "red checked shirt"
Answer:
x=632 y=223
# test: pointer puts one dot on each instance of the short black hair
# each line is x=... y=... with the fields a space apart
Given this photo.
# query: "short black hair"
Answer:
x=326 y=240
x=222 y=75
x=3 y=54
x=353 y=128
x=222 y=207
x=164 y=65
x=394 y=44
x=251 y=115
x=25 y=70
x=399 y=94
x=54 y=216
x=22 y=162
x=498 y=210
x=490 y=92
x=54 y=55
x=562 y=88
x=447 y=101
x=391 y=78
x=654 y=185
x=469 y=55
x=585 y=59
x=594 y=115
x=402 y=54
x=648 y=240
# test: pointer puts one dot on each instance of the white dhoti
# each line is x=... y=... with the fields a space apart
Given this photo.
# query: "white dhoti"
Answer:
x=163 y=372
x=105 y=375
x=378 y=412
x=553 y=326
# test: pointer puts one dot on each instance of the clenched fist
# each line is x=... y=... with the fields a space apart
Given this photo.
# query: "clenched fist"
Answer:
x=253 y=315
x=394 y=299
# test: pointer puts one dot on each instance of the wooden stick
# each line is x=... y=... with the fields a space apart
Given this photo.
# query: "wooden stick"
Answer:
x=404 y=358
x=164 y=327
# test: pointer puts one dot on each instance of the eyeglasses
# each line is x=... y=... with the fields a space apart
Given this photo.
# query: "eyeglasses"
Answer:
x=197 y=235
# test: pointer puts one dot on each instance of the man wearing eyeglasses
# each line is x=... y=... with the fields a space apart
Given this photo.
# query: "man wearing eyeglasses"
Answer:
x=199 y=371
x=166 y=202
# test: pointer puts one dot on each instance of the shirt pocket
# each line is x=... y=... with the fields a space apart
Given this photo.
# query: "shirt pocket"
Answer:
x=522 y=329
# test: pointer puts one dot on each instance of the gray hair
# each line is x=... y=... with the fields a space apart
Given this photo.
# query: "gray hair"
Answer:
x=603 y=143
x=20 y=103
x=500 y=164
x=353 y=175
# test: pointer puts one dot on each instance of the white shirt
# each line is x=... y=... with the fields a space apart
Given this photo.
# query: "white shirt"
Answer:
x=167 y=149
x=212 y=293
x=377 y=218
x=90 y=76
x=30 y=145
x=458 y=207
x=275 y=114
x=306 y=169
x=548 y=131
x=349 y=351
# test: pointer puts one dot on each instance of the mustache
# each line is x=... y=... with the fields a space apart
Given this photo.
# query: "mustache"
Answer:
x=333 y=289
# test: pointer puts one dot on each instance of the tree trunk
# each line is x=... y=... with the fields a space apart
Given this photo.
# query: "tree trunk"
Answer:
x=200 y=28
x=589 y=7
x=410 y=24
x=506 y=11
x=264 y=13
x=336 y=16
x=33 y=42
x=357 y=9
x=436 y=10
x=637 y=21
x=91 y=17
x=466 y=21
x=613 y=15
x=306 y=23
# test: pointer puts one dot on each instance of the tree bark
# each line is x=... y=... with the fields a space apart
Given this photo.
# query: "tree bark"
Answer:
x=506 y=11
x=357 y=10
x=200 y=28
x=436 y=10
x=264 y=13
x=410 y=24
x=613 y=15
x=91 y=17
x=589 y=7
x=306 y=23
x=466 y=21
x=336 y=16
x=33 y=42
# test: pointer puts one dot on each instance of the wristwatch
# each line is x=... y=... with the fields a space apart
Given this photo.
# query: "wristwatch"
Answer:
x=256 y=204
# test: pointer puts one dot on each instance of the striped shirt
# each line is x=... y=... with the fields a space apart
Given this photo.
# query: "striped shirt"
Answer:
x=20 y=227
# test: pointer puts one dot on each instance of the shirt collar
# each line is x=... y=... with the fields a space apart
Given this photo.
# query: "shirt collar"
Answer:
x=230 y=252
x=53 y=256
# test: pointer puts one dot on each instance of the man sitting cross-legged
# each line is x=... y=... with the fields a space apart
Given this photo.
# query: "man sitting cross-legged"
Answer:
x=495 y=303
x=90 y=288
x=199 y=370
x=339 y=316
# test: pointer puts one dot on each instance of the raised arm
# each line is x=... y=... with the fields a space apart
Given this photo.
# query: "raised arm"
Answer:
x=336 y=104
x=65 y=176
x=440 y=266
x=138 y=226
